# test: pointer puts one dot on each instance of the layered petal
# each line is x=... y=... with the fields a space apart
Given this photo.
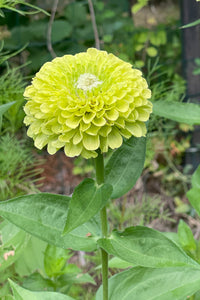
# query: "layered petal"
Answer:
x=84 y=102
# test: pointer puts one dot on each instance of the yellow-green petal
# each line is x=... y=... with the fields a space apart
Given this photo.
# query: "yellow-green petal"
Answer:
x=114 y=139
x=41 y=140
x=72 y=150
x=90 y=142
x=66 y=137
x=77 y=137
x=88 y=117
x=112 y=114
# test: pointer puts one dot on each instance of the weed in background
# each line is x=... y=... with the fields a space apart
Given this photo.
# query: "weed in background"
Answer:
x=18 y=168
x=11 y=89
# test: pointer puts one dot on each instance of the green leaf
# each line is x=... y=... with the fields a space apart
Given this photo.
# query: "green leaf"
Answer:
x=186 y=238
x=25 y=34
x=196 y=71
x=87 y=200
x=107 y=38
x=5 y=291
x=76 y=13
x=153 y=284
x=145 y=247
x=197 y=22
x=36 y=282
x=118 y=263
x=44 y=215
x=188 y=113
x=196 y=296
x=7 y=55
x=196 y=178
x=32 y=257
x=55 y=259
x=3 y=109
x=194 y=198
x=60 y=30
x=125 y=166
x=138 y=6
x=13 y=241
x=23 y=294
x=72 y=274
x=158 y=38
x=8 y=297
x=151 y=51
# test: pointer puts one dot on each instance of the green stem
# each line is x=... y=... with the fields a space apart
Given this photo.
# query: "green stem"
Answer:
x=104 y=256
x=99 y=165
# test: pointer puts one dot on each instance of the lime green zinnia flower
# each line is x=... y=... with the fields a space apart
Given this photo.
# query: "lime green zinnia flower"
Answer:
x=85 y=102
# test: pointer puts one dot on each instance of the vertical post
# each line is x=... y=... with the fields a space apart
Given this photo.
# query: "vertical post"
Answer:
x=190 y=12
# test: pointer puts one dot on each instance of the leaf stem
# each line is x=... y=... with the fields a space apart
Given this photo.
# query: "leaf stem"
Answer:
x=99 y=166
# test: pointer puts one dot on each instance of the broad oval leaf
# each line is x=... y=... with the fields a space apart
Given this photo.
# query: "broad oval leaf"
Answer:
x=23 y=294
x=87 y=200
x=44 y=215
x=188 y=113
x=125 y=166
x=146 y=247
x=153 y=284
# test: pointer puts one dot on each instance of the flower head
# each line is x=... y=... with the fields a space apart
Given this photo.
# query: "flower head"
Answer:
x=85 y=102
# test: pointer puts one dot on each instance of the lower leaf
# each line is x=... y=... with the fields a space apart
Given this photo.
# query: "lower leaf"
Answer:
x=23 y=294
x=44 y=215
x=153 y=284
x=146 y=247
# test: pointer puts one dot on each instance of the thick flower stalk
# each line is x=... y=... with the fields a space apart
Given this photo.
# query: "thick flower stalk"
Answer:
x=84 y=102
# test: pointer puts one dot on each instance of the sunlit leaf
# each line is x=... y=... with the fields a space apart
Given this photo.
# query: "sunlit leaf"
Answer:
x=44 y=215
x=87 y=200
x=188 y=113
x=145 y=247
x=125 y=166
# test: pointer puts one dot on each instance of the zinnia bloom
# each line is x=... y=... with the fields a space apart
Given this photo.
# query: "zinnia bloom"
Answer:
x=85 y=102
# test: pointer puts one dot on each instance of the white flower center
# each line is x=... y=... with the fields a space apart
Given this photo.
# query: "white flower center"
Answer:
x=87 y=81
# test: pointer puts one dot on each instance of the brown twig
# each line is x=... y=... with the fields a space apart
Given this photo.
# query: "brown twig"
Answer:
x=94 y=24
x=49 y=30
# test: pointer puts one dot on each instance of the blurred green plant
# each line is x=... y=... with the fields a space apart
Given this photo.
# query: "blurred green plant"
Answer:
x=35 y=264
x=18 y=168
x=11 y=91
x=11 y=5
x=83 y=167
x=139 y=5
x=72 y=32
x=142 y=212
